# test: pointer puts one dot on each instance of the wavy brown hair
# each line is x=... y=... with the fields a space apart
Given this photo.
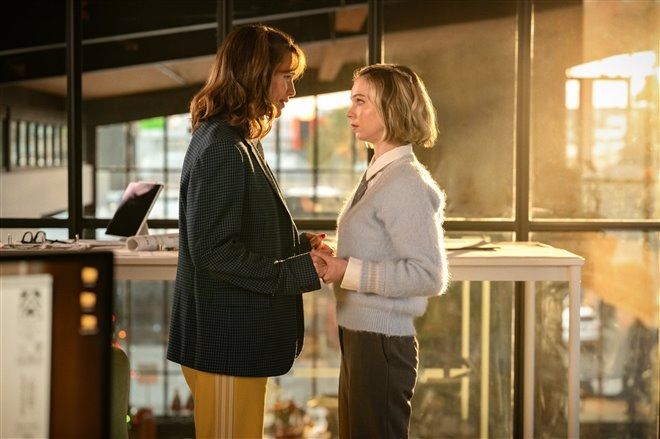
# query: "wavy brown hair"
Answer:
x=403 y=103
x=237 y=89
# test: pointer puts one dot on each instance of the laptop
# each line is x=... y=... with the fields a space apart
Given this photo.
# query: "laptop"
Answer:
x=130 y=218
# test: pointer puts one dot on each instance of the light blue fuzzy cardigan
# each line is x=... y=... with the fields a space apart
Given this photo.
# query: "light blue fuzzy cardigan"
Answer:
x=396 y=230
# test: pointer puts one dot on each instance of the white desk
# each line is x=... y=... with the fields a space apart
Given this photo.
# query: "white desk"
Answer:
x=526 y=262
x=531 y=262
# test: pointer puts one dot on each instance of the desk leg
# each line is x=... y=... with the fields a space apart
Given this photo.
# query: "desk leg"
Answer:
x=485 y=359
x=465 y=347
x=574 y=300
x=528 y=360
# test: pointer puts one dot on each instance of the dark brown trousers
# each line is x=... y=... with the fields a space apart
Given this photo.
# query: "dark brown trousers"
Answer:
x=376 y=384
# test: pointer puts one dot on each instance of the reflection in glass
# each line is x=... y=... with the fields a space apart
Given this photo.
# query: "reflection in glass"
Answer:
x=314 y=154
x=596 y=152
x=470 y=76
x=619 y=337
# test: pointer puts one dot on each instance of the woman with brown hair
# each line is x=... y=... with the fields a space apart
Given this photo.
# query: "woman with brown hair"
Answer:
x=237 y=314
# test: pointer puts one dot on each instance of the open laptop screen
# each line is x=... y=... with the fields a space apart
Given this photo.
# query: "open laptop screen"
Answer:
x=134 y=207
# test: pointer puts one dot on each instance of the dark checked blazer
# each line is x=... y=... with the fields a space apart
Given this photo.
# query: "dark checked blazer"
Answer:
x=242 y=265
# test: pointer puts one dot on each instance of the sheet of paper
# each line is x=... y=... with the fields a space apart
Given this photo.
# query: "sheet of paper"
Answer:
x=26 y=306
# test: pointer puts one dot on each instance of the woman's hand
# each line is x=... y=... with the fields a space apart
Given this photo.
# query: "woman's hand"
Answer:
x=330 y=268
x=319 y=264
x=316 y=241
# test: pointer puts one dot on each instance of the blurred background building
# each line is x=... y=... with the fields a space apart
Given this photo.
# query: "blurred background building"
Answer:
x=549 y=120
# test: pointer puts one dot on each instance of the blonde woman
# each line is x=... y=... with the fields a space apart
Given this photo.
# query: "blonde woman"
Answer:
x=390 y=254
x=237 y=313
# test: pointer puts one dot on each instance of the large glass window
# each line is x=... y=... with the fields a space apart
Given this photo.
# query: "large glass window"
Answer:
x=470 y=75
x=619 y=336
x=314 y=154
x=595 y=145
x=150 y=150
x=32 y=159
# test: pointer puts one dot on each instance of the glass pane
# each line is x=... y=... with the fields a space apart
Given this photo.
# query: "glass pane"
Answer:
x=465 y=371
x=2 y=141
x=43 y=186
x=311 y=148
x=32 y=144
x=470 y=76
x=64 y=147
x=313 y=133
x=338 y=148
x=619 y=337
x=334 y=188
x=146 y=335
x=110 y=186
x=41 y=145
x=148 y=137
x=298 y=191
x=290 y=145
x=460 y=358
x=111 y=146
x=13 y=144
x=312 y=383
x=170 y=195
x=178 y=138
x=144 y=142
x=595 y=144
x=22 y=143
x=121 y=316
x=58 y=159
x=48 y=144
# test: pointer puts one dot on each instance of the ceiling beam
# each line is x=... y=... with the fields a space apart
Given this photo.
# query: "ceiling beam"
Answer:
x=151 y=49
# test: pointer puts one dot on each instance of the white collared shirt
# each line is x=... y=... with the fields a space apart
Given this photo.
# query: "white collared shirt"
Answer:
x=353 y=272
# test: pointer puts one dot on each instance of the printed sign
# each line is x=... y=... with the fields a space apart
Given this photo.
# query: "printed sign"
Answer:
x=25 y=343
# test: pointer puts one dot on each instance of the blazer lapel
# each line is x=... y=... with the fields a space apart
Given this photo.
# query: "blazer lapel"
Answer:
x=268 y=174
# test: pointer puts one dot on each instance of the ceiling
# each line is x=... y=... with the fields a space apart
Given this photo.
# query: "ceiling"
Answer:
x=136 y=47
x=131 y=46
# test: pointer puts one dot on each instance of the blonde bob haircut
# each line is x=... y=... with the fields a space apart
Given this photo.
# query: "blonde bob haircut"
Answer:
x=402 y=102
x=238 y=86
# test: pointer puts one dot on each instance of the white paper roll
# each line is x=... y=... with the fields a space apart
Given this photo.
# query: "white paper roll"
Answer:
x=152 y=242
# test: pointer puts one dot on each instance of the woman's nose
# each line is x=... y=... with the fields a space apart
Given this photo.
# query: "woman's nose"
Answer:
x=292 y=90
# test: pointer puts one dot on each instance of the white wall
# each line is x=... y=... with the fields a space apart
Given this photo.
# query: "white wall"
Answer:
x=33 y=193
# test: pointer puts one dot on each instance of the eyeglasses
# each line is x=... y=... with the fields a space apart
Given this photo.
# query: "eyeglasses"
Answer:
x=38 y=238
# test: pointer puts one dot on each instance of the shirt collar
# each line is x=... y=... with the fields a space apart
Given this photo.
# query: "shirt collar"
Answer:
x=387 y=158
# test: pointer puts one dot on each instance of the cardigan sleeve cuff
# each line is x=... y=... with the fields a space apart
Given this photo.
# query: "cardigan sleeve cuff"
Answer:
x=372 y=277
x=352 y=275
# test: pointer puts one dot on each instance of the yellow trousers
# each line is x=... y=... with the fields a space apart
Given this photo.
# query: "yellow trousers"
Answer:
x=227 y=406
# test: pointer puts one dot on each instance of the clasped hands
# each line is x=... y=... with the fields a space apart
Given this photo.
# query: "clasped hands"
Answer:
x=328 y=267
